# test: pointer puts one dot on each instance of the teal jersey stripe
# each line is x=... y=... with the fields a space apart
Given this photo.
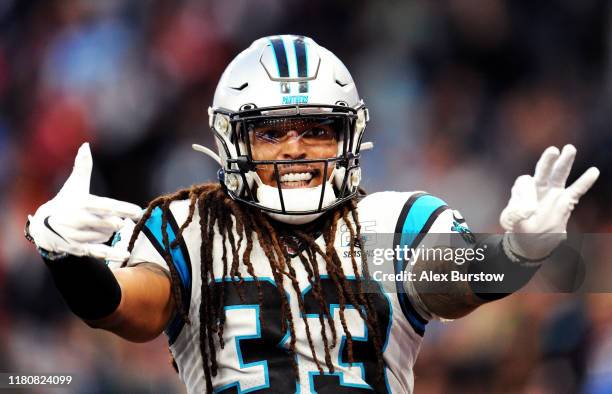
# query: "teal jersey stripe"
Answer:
x=419 y=213
x=154 y=224
x=417 y=216
x=153 y=231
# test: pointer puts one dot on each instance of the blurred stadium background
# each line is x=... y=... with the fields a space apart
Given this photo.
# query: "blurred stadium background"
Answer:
x=463 y=94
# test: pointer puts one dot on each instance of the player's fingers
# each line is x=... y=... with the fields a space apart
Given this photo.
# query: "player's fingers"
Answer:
x=105 y=206
x=115 y=222
x=583 y=184
x=87 y=236
x=105 y=252
x=73 y=249
x=103 y=223
x=79 y=179
x=85 y=220
x=562 y=166
x=545 y=165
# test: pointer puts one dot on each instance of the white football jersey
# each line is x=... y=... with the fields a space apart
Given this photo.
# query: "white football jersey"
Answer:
x=255 y=357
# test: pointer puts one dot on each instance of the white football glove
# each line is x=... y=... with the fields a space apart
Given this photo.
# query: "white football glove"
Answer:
x=540 y=205
x=78 y=223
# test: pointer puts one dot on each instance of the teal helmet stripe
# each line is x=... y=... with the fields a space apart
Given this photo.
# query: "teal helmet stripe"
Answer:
x=302 y=62
x=280 y=54
x=291 y=64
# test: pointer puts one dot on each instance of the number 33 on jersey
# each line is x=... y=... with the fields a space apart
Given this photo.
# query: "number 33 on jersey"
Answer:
x=255 y=356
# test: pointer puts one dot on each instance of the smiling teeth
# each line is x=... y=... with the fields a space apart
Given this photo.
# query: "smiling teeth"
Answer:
x=296 y=177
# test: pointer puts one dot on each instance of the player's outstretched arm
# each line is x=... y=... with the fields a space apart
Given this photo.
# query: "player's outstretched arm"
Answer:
x=146 y=304
x=535 y=221
x=70 y=232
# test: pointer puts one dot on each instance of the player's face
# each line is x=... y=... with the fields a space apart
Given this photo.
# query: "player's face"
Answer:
x=293 y=139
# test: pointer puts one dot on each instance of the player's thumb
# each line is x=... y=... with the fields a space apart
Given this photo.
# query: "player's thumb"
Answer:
x=78 y=181
x=510 y=216
x=522 y=205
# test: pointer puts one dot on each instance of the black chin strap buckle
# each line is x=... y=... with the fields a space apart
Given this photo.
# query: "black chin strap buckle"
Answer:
x=344 y=162
x=244 y=164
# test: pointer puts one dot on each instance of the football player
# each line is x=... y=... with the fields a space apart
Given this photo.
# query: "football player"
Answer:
x=252 y=277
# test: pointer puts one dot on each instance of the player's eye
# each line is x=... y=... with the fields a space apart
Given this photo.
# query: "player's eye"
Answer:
x=269 y=135
x=319 y=133
x=309 y=131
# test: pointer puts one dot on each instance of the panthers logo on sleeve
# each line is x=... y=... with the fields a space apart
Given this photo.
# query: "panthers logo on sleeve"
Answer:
x=459 y=226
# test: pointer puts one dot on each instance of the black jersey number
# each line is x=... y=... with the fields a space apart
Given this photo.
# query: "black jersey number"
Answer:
x=265 y=346
x=364 y=353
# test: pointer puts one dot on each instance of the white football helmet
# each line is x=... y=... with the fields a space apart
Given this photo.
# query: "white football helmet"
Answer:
x=278 y=78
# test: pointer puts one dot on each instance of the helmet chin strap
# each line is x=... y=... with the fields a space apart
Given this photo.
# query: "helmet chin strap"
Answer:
x=295 y=199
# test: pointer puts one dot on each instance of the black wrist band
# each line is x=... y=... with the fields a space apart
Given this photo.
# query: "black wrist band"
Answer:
x=87 y=285
x=496 y=262
x=508 y=250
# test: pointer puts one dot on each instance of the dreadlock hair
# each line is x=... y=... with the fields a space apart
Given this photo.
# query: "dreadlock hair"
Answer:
x=216 y=208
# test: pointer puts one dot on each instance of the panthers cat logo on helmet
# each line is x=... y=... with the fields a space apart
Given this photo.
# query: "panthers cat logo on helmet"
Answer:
x=278 y=78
